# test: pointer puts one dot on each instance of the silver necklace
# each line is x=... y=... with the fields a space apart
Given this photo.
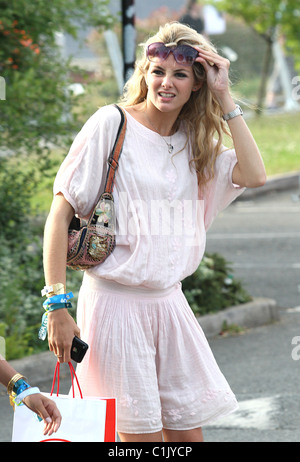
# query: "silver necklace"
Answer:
x=169 y=145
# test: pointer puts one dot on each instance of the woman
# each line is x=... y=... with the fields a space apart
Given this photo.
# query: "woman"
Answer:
x=19 y=389
x=146 y=347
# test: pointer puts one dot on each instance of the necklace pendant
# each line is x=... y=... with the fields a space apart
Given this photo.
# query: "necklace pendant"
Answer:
x=170 y=148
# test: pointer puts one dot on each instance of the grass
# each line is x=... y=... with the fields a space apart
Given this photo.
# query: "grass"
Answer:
x=278 y=139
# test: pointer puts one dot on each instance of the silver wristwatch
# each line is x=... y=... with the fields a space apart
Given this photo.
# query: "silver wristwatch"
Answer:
x=237 y=111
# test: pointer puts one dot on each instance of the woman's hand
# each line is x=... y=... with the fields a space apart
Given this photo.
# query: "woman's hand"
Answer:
x=249 y=171
x=217 y=72
x=46 y=409
x=61 y=331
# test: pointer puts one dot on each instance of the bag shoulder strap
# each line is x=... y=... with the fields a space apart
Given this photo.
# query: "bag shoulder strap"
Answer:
x=113 y=160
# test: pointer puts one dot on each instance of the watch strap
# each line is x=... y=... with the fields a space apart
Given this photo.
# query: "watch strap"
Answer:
x=236 y=112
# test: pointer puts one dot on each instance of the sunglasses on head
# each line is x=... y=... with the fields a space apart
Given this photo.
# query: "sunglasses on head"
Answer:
x=183 y=54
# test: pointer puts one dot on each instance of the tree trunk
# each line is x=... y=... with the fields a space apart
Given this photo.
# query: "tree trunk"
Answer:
x=264 y=76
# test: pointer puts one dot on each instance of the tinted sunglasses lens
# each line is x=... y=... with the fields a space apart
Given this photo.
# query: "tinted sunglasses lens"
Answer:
x=185 y=54
x=157 y=52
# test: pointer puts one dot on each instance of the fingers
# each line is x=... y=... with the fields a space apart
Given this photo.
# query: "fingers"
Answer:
x=47 y=411
x=212 y=59
x=53 y=421
x=61 y=331
x=217 y=72
x=63 y=353
x=205 y=59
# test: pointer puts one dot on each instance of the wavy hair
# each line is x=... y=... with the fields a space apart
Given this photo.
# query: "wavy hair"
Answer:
x=201 y=115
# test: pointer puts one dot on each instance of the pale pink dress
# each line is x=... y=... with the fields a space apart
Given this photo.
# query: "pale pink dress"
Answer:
x=146 y=346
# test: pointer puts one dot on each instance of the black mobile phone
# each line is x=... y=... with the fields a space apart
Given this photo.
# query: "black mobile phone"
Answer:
x=78 y=349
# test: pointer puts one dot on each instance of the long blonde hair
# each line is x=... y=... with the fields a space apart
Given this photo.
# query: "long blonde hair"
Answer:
x=202 y=114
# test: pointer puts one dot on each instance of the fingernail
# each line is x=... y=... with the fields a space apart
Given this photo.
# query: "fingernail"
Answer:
x=48 y=420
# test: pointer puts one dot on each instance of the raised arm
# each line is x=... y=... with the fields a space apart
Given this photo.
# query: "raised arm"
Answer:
x=249 y=171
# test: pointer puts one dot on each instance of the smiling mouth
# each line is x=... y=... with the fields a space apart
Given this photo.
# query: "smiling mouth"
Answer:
x=166 y=95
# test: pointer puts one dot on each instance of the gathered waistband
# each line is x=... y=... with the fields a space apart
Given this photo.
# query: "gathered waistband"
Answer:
x=96 y=283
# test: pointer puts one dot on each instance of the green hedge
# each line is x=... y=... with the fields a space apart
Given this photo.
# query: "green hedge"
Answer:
x=212 y=287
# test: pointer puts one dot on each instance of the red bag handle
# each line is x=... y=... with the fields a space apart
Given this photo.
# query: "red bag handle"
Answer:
x=73 y=374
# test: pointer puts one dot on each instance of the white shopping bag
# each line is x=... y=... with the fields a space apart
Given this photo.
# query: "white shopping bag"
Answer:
x=83 y=420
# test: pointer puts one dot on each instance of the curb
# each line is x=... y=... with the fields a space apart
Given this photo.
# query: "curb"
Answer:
x=39 y=368
x=280 y=182
x=259 y=312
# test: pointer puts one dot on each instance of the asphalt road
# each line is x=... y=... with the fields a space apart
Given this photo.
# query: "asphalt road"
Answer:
x=261 y=238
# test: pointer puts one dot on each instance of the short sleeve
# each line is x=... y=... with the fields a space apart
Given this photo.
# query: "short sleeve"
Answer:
x=221 y=191
x=82 y=174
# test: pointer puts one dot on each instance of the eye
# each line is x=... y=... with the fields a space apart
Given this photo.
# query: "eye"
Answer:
x=156 y=69
x=157 y=72
x=181 y=75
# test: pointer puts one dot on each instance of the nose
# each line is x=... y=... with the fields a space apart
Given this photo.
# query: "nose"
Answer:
x=167 y=81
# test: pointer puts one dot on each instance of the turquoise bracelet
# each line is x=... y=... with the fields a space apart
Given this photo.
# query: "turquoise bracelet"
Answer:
x=20 y=386
x=49 y=308
x=58 y=306
x=62 y=298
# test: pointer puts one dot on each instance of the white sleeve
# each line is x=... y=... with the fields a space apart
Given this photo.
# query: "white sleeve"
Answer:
x=221 y=191
x=82 y=174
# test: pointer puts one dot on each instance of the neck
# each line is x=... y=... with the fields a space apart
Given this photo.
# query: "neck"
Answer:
x=162 y=123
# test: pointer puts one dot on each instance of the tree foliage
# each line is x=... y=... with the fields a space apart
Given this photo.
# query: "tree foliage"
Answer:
x=267 y=16
x=36 y=115
x=37 y=108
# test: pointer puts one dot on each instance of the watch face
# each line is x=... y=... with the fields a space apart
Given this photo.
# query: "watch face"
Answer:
x=239 y=109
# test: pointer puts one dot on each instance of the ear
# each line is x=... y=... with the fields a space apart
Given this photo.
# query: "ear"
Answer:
x=197 y=86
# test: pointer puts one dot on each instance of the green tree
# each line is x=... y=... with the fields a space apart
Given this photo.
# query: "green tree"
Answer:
x=36 y=114
x=36 y=78
x=267 y=18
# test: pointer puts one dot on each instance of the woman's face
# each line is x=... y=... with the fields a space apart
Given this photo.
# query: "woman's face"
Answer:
x=170 y=85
